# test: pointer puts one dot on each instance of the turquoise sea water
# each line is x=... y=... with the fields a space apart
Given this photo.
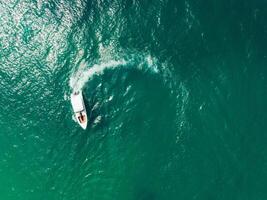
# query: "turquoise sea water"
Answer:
x=176 y=91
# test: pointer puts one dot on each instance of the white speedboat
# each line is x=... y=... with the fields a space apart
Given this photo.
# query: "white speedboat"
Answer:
x=79 y=108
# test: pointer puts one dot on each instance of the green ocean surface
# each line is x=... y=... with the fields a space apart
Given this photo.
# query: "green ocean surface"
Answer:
x=175 y=90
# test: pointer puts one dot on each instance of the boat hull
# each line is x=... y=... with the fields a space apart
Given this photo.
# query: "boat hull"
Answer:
x=79 y=109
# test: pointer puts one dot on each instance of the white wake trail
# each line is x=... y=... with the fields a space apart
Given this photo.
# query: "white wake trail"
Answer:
x=83 y=74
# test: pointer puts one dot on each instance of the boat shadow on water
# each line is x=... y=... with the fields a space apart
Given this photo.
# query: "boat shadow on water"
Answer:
x=93 y=112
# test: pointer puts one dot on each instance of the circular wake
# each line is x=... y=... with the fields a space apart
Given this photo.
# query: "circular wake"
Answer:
x=84 y=72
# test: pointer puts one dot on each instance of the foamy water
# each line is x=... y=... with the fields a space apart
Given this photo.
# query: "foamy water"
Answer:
x=85 y=73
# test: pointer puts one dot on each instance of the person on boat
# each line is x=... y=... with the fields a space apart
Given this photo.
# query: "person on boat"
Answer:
x=81 y=117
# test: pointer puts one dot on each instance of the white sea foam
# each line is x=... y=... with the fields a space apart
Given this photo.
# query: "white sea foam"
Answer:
x=84 y=73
